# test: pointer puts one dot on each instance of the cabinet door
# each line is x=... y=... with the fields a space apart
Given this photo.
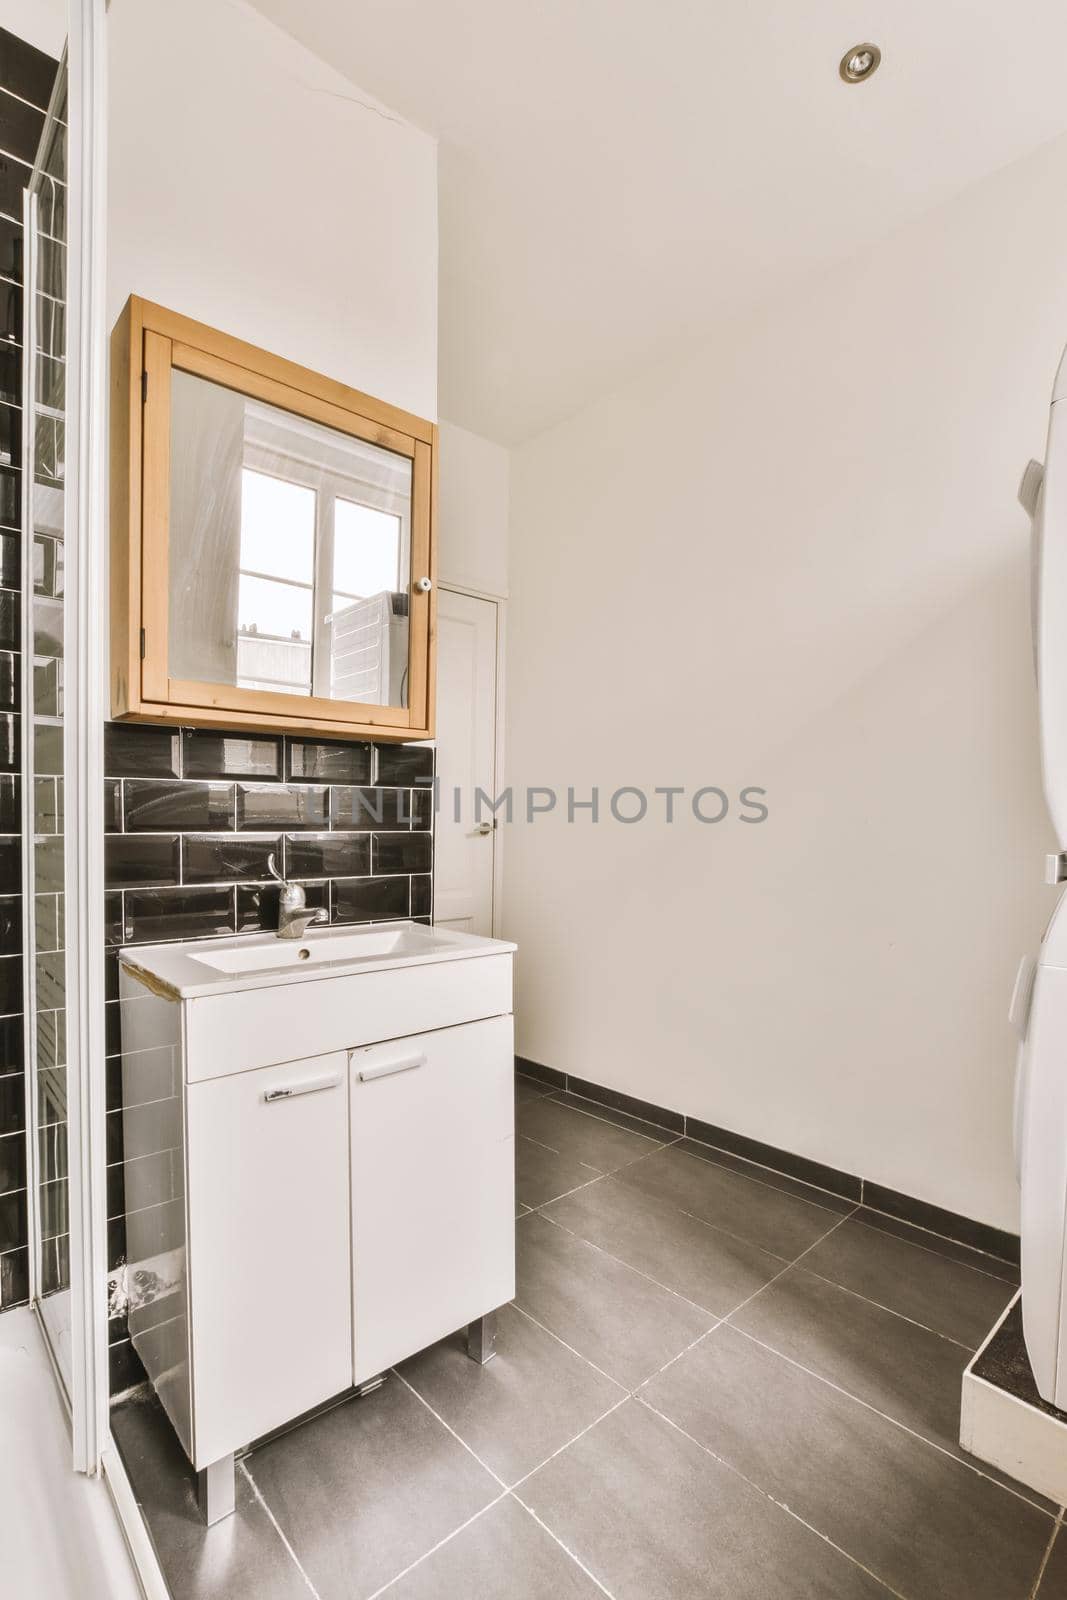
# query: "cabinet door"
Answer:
x=433 y=1187
x=269 y=1248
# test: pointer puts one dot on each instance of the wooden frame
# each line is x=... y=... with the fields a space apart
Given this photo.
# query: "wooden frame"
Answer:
x=147 y=344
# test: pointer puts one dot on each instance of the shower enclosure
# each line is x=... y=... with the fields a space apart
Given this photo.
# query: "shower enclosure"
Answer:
x=43 y=565
x=62 y=633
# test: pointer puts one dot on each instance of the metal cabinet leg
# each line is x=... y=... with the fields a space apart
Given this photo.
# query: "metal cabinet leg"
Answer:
x=216 y=1491
x=481 y=1337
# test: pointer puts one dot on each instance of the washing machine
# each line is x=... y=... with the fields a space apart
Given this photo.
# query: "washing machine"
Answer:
x=1039 y=1003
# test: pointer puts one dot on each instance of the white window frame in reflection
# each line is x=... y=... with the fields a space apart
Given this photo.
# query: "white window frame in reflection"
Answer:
x=329 y=486
x=286 y=649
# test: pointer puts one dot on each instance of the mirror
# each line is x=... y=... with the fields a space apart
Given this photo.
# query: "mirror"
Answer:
x=273 y=538
x=290 y=551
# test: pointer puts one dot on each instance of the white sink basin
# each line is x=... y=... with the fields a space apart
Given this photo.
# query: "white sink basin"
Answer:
x=318 y=946
x=217 y=966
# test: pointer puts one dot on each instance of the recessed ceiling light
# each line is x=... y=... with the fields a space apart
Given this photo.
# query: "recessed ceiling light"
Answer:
x=860 y=63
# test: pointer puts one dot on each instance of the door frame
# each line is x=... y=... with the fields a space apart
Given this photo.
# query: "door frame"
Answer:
x=501 y=605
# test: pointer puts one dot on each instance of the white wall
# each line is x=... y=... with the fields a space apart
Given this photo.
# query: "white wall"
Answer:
x=473 y=491
x=42 y=23
x=253 y=188
x=795 y=560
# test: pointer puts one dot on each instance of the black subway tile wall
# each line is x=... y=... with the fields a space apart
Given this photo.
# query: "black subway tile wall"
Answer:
x=26 y=79
x=193 y=819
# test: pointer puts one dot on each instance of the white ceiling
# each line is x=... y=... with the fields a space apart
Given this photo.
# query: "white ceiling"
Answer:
x=619 y=178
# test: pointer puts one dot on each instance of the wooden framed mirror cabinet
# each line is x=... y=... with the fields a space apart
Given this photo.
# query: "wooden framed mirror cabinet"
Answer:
x=272 y=560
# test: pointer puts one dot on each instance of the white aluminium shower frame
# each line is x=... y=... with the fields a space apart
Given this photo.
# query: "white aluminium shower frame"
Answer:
x=86 y=625
x=82 y=1373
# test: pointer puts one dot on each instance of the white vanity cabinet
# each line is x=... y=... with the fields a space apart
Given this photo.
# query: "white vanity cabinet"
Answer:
x=297 y=1223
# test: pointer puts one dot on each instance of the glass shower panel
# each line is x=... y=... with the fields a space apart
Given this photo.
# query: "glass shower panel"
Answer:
x=42 y=701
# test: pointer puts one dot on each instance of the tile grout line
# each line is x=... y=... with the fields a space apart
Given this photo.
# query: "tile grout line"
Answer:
x=787 y=1267
x=552 y=1334
x=620 y=1127
x=542 y=1146
x=730 y=1323
x=692 y=1215
x=277 y=1527
x=1057 y=1525
x=565 y=1548
x=960 y=1461
x=780 y=1504
x=546 y=1089
x=635 y=1393
x=621 y=1401
x=506 y=1490
x=719 y=1316
x=438 y=1546
x=893 y=1312
x=619 y=1111
x=704 y=1310
x=719 y=1150
x=471 y=1452
x=656 y=1143
x=931 y=1250
x=588 y=1184
x=842 y=1199
x=779 y=1172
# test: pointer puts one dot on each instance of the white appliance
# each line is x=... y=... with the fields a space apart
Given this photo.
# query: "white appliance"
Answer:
x=1039 y=1004
x=369 y=650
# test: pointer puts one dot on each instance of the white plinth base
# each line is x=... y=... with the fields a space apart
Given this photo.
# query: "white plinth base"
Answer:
x=1018 y=1437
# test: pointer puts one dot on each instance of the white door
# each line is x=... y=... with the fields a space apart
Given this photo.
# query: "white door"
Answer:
x=433 y=1187
x=269 y=1249
x=466 y=760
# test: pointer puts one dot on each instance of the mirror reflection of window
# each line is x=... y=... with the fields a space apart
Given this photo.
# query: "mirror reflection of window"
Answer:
x=366 y=552
x=368 y=656
x=290 y=549
x=275 y=597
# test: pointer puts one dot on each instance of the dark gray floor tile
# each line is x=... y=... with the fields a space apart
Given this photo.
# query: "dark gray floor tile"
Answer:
x=914 y=1376
x=363 y=1491
x=924 y=1523
x=774 y=1220
x=617 y=1319
x=581 y=1137
x=504 y=1555
x=241 y=1558
x=621 y=1119
x=654 y=1517
x=980 y=1260
x=712 y=1268
x=530 y=1089
x=767 y=1175
x=520 y=1407
x=1054 y=1578
x=542 y=1174
x=943 y=1295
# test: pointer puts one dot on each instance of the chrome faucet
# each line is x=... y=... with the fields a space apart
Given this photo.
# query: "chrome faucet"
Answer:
x=293 y=915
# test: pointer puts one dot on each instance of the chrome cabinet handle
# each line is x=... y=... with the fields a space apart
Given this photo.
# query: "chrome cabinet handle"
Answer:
x=310 y=1086
x=387 y=1068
